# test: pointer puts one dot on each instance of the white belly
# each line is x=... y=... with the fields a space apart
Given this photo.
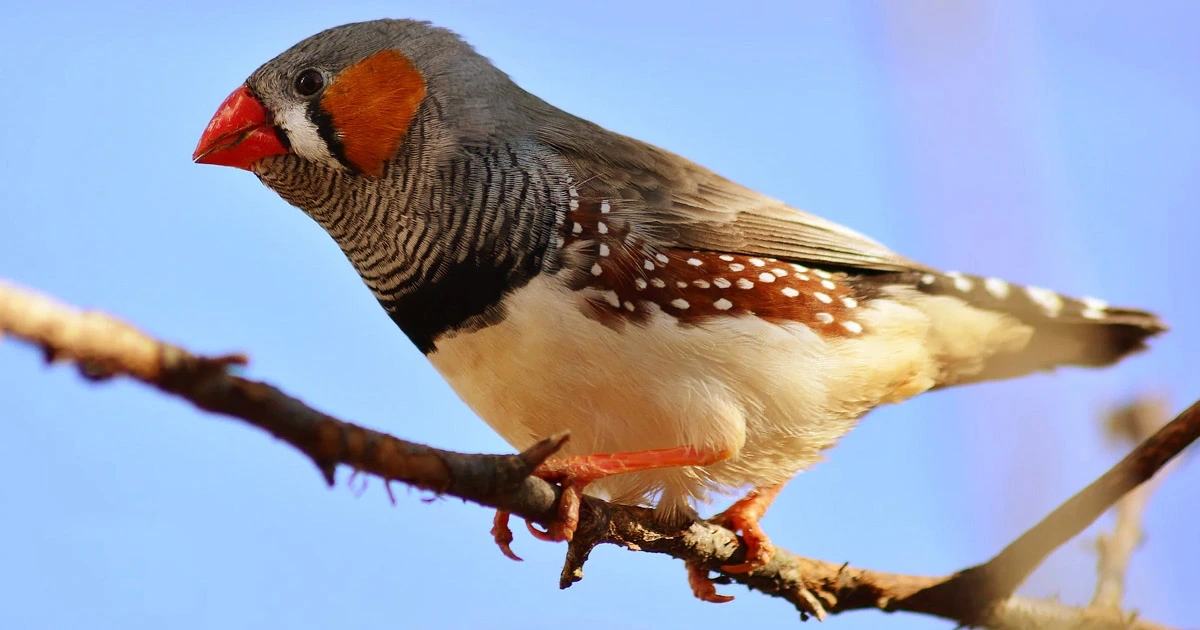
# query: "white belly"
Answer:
x=776 y=395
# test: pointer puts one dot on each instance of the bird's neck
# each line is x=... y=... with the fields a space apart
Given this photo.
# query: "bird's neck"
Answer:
x=439 y=243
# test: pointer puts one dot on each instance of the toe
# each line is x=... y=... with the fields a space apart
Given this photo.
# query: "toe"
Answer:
x=703 y=587
x=503 y=535
x=759 y=549
x=547 y=535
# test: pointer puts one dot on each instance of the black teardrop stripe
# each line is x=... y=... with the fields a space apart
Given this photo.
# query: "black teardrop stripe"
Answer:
x=328 y=133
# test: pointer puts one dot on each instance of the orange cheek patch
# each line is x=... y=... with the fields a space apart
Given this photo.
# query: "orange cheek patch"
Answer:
x=372 y=104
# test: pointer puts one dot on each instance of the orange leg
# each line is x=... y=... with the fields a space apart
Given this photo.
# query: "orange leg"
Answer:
x=575 y=473
x=743 y=517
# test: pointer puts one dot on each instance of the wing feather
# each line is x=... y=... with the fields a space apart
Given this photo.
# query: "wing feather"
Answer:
x=684 y=205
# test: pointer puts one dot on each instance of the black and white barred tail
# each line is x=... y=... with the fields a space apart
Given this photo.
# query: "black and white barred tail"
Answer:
x=1066 y=330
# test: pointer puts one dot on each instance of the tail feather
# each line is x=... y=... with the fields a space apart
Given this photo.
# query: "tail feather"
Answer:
x=1066 y=330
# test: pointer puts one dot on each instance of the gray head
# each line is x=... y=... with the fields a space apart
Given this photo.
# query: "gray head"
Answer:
x=346 y=97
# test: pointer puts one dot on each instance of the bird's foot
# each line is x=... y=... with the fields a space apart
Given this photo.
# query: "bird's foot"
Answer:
x=742 y=517
x=575 y=473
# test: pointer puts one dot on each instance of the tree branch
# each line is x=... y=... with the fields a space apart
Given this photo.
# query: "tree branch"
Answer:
x=104 y=347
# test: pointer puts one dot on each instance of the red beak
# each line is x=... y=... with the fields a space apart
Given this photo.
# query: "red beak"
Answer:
x=238 y=134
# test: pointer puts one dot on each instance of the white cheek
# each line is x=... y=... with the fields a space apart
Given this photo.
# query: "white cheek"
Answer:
x=302 y=133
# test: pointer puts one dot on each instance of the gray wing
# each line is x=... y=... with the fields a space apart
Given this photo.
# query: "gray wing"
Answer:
x=681 y=204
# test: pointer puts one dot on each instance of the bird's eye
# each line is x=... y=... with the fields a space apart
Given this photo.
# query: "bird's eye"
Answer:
x=309 y=82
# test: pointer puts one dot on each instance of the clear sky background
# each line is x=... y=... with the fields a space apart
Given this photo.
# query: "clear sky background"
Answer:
x=1053 y=143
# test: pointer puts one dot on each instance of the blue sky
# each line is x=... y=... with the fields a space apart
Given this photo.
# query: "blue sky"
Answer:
x=1051 y=143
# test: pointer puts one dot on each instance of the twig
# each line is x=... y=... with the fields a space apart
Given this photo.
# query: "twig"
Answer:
x=104 y=347
x=1129 y=424
x=999 y=577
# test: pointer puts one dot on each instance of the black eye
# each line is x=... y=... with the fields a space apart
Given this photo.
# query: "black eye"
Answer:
x=309 y=82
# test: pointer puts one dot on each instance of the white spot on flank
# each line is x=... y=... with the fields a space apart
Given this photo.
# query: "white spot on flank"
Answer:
x=722 y=283
x=803 y=277
x=996 y=287
x=611 y=298
x=779 y=272
x=648 y=265
x=602 y=227
x=850 y=302
x=605 y=208
x=790 y=292
x=800 y=268
x=824 y=298
x=703 y=284
x=695 y=262
x=1045 y=298
x=757 y=262
x=824 y=318
x=577 y=228
x=641 y=284
x=853 y=327
x=681 y=284
x=928 y=278
x=680 y=304
x=737 y=267
x=629 y=306
x=828 y=284
x=596 y=270
x=822 y=274
x=723 y=304
x=726 y=257
x=743 y=283
x=766 y=277
x=662 y=258
x=658 y=283
x=603 y=249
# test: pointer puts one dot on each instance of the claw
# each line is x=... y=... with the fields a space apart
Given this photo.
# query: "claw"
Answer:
x=503 y=535
x=546 y=535
x=703 y=587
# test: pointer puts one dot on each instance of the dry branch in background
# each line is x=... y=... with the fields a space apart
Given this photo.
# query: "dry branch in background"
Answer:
x=1129 y=424
x=982 y=595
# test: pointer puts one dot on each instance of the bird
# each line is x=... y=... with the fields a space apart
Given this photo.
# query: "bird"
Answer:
x=695 y=337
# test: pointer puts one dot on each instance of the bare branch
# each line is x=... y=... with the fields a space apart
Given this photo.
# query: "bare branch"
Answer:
x=103 y=347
